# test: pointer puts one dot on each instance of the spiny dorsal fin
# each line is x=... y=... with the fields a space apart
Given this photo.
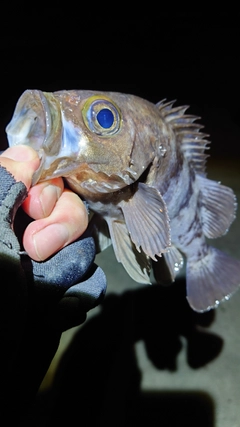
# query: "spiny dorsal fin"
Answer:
x=193 y=142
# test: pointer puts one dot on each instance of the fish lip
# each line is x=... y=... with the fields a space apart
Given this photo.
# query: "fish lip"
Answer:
x=37 y=174
x=48 y=118
x=24 y=116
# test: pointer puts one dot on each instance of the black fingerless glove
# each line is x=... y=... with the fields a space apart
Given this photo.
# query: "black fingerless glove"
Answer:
x=38 y=300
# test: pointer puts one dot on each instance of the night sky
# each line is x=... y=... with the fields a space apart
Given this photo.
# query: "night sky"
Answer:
x=184 y=56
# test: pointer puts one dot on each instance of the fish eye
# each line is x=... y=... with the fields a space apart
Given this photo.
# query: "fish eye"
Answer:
x=105 y=118
x=101 y=116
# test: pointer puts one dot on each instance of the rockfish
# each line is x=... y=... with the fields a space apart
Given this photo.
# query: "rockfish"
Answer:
x=141 y=168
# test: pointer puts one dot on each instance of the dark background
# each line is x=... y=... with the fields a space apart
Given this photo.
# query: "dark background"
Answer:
x=189 y=56
x=192 y=57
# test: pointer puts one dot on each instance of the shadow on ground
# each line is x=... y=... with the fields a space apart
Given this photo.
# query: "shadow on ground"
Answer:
x=98 y=378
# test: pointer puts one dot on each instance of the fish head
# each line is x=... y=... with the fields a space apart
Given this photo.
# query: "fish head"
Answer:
x=100 y=142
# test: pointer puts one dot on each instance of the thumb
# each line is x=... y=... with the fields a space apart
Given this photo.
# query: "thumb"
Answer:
x=21 y=161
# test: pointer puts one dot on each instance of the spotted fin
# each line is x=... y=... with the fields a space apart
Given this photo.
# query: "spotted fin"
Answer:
x=147 y=221
x=193 y=142
x=137 y=264
x=211 y=279
x=218 y=207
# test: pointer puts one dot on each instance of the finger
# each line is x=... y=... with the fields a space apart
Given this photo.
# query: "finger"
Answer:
x=67 y=222
x=42 y=198
x=21 y=161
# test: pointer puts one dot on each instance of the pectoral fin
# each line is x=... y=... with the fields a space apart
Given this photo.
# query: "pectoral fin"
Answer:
x=147 y=221
x=137 y=264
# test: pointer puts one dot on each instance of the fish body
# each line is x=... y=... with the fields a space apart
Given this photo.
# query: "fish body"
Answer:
x=141 y=168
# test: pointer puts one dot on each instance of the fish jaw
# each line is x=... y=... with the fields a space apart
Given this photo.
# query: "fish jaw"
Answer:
x=94 y=186
x=28 y=125
x=36 y=122
x=39 y=122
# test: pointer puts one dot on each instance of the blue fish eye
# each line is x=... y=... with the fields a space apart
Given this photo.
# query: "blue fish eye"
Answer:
x=102 y=116
x=105 y=118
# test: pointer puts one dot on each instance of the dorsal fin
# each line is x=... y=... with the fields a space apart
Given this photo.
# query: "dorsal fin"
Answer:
x=193 y=142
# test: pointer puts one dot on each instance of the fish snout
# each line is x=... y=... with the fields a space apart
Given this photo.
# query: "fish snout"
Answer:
x=28 y=125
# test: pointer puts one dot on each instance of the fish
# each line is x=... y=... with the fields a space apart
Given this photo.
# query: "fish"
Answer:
x=141 y=167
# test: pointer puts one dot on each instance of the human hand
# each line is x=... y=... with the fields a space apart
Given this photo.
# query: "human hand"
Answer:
x=53 y=288
x=60 y=215
x=55 y=268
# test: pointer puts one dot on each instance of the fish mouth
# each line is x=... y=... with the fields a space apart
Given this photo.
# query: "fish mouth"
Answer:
x=29 y=124
x=36 y=122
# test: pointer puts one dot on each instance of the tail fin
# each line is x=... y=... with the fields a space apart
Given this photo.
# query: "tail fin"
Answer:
x=211 y=280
